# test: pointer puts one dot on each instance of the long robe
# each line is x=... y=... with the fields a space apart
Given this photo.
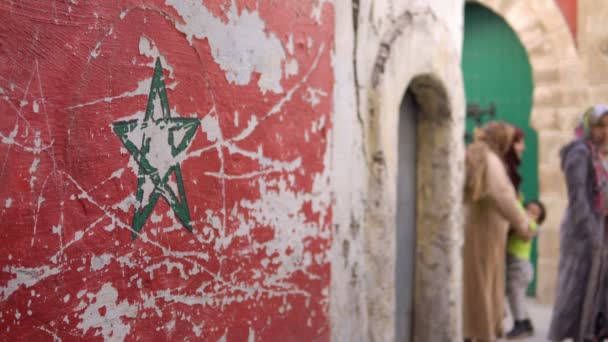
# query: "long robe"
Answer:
x=487 y=221
x=582 y=270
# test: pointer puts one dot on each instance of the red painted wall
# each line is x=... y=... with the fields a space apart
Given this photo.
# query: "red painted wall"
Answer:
x=570 y=10
x=236 y=241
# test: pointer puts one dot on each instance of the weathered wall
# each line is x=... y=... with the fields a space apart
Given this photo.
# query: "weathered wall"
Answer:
x=397 y=45
x=199 y=213
x=593 y=45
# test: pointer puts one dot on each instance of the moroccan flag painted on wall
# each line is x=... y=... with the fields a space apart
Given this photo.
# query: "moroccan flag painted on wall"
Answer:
x=164 y=170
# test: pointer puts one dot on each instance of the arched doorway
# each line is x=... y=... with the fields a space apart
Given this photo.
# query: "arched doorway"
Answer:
x=432 y=231
x=406 y=217
x=422 y=127
x=498 y=85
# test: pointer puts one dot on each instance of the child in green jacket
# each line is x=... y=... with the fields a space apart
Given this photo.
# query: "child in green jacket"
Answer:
x=520 y=272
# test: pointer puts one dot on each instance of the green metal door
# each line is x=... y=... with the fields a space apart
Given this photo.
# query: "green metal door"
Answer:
x=497 y=72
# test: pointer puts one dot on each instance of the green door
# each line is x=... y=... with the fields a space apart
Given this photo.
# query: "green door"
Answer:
x=497 y=71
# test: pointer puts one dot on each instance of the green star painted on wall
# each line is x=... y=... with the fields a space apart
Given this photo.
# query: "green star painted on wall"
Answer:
x=158 y=144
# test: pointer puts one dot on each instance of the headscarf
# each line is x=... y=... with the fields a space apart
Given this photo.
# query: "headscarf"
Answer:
x=513 y=161
x=591 y=117
x=583 y=131
x=496 y=136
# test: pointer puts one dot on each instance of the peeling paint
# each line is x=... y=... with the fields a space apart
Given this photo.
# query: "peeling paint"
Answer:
x=105 y=313
x=149 y=49
x=244 y=35
x=255 y=176
x=27 y=277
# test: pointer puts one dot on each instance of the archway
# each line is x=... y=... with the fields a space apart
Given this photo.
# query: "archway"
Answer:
x=422 y=113
x=405 y=264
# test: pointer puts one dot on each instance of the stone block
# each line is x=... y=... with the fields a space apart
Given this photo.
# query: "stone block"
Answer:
x=599 y=94
x=551 y=181
x=549 y=145
x=568 y=117
x=548 y=241
x=556 y=206
x=547 y=96
x=543 y=118
x=546 y=280
x=543 y=74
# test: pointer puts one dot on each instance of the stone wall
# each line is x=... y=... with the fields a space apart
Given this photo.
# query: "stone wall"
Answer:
x=398 y=46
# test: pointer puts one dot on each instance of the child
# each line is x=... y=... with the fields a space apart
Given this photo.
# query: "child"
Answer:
x=520 y=272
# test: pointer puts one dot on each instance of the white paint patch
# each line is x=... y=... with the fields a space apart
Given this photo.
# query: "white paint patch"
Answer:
x=318 y=125
x=291 y=68
x=148 y=48
x=290 y=46
x=34 y=165
x=96 y=51
x=198 y=329
x=179 y=135
x=313 y=96
x=57 y=229
x=126 y=204
x=240 y=47
x=251 y=335
x=66 y=298
x=150 y=301
x=252 y=123
x=111 y=324
x=37 y=143
x=156 y=218
x=170 y=327
x=99 y=262
x=317 y=10
x=35 y=107
x=8 y=202
x=322 y=182
x=211 y=126
x=281 y=209
x=25 y=276
x=118 y=173
x=223 y=338
x=11 y=136
x=170 y=266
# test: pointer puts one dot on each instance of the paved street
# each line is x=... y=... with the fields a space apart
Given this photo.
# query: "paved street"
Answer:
x=541 y=317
